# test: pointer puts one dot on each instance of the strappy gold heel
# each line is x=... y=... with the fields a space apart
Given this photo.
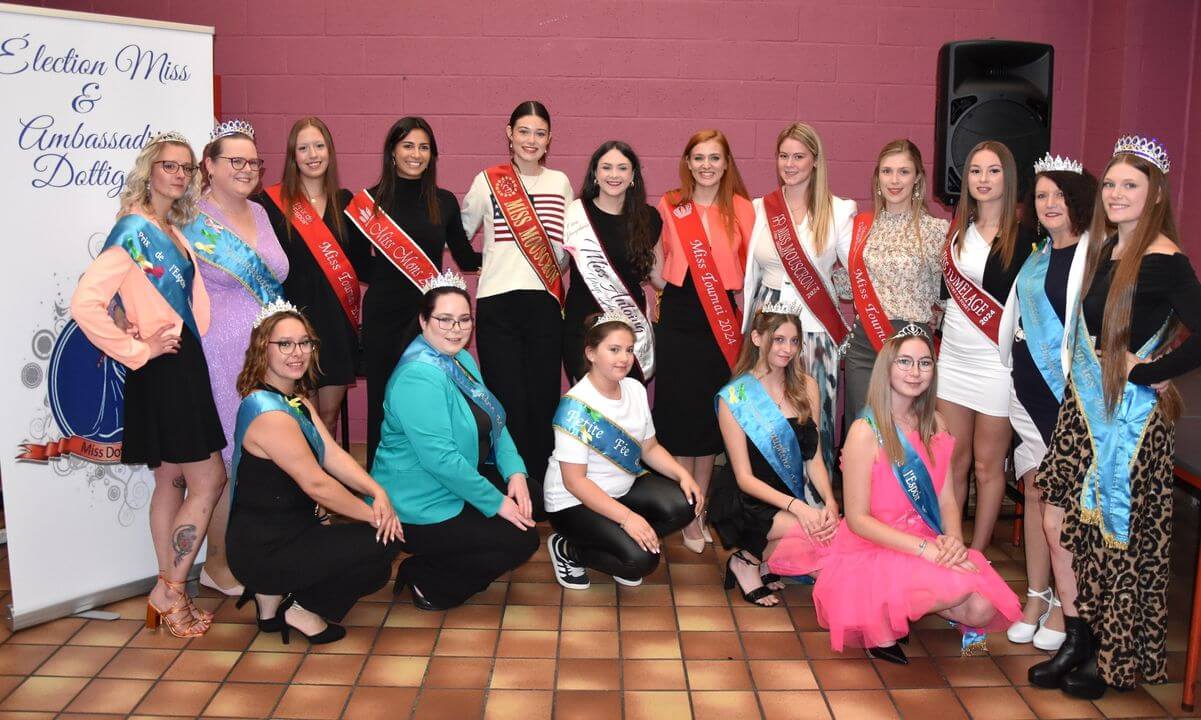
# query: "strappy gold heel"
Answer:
x=181 y=617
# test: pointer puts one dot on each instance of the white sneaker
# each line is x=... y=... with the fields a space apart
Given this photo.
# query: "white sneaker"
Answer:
x=570 y=574
x=628 y=582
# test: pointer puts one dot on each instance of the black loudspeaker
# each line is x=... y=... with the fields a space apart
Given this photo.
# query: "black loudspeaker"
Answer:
x=991 y=90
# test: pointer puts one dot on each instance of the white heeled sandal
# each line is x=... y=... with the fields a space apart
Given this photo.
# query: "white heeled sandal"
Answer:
x=1023 y=632
x=1046 y=638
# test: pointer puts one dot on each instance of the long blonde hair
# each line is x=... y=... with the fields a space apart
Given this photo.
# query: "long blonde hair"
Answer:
x=879 y=398
x=731 y=183
x=136 y=193
x=820 y=205
x=1156 y=219
x=917 y=201
x=795 y=387
x=965 y=212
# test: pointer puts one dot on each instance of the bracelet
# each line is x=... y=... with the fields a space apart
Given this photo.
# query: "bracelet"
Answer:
x=788 y=507
x=921 y=548
x=627 y=517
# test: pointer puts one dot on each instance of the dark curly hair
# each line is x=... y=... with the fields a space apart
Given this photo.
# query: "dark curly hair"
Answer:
x=1079 y=194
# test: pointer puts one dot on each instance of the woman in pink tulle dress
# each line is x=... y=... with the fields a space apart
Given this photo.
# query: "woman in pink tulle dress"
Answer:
x=900 y=554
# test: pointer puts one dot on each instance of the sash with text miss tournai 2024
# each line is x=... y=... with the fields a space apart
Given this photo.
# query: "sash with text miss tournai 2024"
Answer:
x=707 y=280
x=518 y=212
x=871 y=313
x=981 y=309
x=392 y=241
x=263 y=401
x=325 y=249
x=218 y=246
x=605 y=285
x=168 y=270
x=589 y=425
x=801 y=271
x=760 y=418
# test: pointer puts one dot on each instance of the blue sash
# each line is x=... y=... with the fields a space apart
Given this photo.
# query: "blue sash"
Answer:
x=262 y=401
x=421 y=351
x=598 y=432
x=913 y=475
x=217 y=245
x=1105 y=493
x=762 y=421
x=167 y=269
x=1040 y=323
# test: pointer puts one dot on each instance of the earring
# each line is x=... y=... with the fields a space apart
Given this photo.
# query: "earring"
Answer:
x=917 y=195
x=631 y=182
x=879 y=192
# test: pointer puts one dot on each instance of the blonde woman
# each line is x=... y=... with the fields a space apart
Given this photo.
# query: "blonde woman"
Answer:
x=800 y=230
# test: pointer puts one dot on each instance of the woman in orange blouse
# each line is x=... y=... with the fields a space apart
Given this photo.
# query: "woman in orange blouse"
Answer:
x=699 y=265
x=171 y=422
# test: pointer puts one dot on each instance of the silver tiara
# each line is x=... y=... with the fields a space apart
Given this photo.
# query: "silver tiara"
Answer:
x=1148 y=149
x=910 y=330
x=612 y=316
x=448 y=278
x=1054 y=163
x=277 y=305
x=231 y=127
x=168 y=136
x=782 y=308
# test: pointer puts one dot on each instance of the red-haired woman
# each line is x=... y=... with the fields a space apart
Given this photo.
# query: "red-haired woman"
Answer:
x=1109 y=467
x=707 y=224
x=305 y=209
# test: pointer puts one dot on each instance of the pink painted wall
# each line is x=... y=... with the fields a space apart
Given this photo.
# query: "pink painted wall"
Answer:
x=653 y=72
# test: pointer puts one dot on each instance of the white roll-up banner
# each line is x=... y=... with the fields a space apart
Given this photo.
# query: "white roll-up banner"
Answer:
x=82 y=93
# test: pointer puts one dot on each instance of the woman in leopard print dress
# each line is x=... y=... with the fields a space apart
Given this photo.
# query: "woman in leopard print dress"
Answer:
x=1109 y=467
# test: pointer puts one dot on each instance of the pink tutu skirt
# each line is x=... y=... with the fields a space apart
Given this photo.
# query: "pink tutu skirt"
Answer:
x=867 y=595
x=798 y=554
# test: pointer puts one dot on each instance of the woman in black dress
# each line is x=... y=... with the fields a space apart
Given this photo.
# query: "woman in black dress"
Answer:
x=300 y=572
x=305 y=209
x=408 y=193
x=611 y=235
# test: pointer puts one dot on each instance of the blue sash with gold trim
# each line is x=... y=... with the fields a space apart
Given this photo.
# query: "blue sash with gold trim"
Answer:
x=766 y=427
x=421 y=351
x=263 y=401
x=591 y=427
x=167 y=269
x=218 y=246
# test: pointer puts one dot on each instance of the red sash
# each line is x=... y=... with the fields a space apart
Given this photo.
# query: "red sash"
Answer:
x=390 y=239
x=981 y=309
x=320 y=241
x=800 y=269
x=867 y=304
x=707 y=281
x=531 y=237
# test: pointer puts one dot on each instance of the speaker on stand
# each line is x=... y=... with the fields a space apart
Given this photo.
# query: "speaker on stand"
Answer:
x=991 y=90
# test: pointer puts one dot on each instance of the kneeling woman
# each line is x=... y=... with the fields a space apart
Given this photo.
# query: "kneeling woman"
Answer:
x=605 y=516
x=445 y=456
x=306 y=573
x=775 y=486
x=901 y=555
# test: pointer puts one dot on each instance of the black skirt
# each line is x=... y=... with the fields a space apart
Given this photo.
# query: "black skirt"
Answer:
x=691 y=369
x=169 y=411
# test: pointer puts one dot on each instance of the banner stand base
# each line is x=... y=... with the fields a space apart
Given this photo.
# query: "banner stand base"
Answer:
x=83 y=606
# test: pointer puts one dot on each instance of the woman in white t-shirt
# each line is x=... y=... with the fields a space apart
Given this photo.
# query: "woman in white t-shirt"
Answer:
x=608 y=512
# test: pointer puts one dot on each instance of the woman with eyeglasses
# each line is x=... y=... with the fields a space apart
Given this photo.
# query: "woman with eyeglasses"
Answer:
x=243 y=267
x=303 y=574
x=171 y=423
x=448 y=462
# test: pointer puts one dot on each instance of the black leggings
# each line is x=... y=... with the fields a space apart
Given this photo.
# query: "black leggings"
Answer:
x=601 y=544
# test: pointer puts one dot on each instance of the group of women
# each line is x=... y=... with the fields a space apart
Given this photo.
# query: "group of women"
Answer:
x=1070 y=341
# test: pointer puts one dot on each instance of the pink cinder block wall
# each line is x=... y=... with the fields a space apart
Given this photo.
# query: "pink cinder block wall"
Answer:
x=652 y=72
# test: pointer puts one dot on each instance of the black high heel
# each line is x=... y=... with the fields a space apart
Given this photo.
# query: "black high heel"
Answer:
x=332 y=632
x=754 y=596
x=891 y=653
x=271 y=624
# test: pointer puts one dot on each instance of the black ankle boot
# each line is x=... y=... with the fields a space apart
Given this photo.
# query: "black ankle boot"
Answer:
x=1085 y=681
x=1076 y=649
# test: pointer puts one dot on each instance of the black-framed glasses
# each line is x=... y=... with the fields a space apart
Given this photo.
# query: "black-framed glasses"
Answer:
x=287 y=346
x=240 y=163
x=446 y=322
x=907 y=364
x=171 y=167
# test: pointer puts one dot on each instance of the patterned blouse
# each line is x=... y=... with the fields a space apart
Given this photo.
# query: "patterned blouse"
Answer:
x=906 y=276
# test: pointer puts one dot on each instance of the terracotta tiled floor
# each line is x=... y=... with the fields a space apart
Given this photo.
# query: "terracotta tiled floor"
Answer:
x=676 y=647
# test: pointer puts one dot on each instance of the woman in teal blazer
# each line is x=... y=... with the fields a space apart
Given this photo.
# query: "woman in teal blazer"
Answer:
x=447 y=459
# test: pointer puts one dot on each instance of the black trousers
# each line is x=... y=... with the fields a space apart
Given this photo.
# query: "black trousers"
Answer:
x=519 y=336
x=601 y=544
x=457 y=558
x=382 y=348
x=326 y=567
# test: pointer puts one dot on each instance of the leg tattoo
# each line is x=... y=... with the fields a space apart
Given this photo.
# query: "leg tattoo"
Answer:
x=183 y=542
x=180 y=483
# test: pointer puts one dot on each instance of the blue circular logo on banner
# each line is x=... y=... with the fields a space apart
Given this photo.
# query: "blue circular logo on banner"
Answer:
x=87 y=388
